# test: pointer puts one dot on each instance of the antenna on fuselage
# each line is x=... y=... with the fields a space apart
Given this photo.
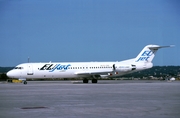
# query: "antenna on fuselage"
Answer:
x=28 y=59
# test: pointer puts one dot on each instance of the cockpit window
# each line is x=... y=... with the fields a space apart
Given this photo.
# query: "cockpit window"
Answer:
x=18 y=68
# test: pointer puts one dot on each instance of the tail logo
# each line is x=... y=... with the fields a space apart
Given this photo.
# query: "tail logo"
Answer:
x=145 y=56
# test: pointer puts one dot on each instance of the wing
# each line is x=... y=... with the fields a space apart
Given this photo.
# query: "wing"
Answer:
x=93 y=72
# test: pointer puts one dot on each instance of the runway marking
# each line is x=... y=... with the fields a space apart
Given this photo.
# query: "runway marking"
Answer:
x=39 y=107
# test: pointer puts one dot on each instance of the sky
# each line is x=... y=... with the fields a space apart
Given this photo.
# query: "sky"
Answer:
x=87 y=30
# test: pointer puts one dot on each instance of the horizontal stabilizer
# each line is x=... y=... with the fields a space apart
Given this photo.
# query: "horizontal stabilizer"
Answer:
x=158 y=47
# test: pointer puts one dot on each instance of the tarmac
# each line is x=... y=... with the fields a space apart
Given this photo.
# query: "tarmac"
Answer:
x=106 y=99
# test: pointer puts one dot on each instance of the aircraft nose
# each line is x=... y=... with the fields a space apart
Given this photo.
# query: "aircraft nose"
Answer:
x=10 y=74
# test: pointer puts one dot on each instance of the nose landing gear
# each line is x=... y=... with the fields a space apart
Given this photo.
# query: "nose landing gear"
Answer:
x=24 y=82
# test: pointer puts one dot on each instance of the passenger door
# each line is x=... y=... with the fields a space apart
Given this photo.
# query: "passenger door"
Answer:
x=30 y=69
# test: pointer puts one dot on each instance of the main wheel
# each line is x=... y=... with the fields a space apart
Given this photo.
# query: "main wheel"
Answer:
x=94 y=80
x=85 y=80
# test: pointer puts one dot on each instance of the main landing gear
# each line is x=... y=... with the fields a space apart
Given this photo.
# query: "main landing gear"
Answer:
x=94 y=80
x=85 y=80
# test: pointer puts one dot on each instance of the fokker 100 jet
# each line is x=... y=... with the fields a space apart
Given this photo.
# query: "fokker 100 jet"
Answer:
x=86 y=70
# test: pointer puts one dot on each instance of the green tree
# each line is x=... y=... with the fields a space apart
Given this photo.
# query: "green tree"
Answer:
x=3 y=77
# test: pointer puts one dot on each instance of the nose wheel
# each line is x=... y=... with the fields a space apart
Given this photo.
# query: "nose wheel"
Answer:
x=24 y=82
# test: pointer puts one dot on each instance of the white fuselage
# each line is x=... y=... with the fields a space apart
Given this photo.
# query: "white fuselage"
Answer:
x=86 y=69
x=74 y=69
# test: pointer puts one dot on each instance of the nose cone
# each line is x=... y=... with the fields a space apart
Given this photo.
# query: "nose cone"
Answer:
x=10 y=74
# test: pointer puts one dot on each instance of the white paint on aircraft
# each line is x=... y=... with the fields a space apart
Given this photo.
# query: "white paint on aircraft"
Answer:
x=86 y=70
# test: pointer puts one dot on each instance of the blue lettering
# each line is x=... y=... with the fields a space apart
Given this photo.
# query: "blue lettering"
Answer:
x=143 y=59
x=55 y=67
x=52 y=67
x=60 y=67
x=145 y=56
x=147 y=53
x=66 y=67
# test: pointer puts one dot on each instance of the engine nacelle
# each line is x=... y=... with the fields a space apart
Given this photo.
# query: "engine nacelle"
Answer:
x=124 y=68
x=144 y=66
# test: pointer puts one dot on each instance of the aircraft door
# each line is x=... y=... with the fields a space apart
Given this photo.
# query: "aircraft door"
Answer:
x=29 y=69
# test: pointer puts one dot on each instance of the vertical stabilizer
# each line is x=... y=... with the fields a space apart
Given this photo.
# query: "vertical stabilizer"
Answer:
x=148 y=53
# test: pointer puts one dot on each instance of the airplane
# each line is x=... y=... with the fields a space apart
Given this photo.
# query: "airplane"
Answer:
x=86 y=70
